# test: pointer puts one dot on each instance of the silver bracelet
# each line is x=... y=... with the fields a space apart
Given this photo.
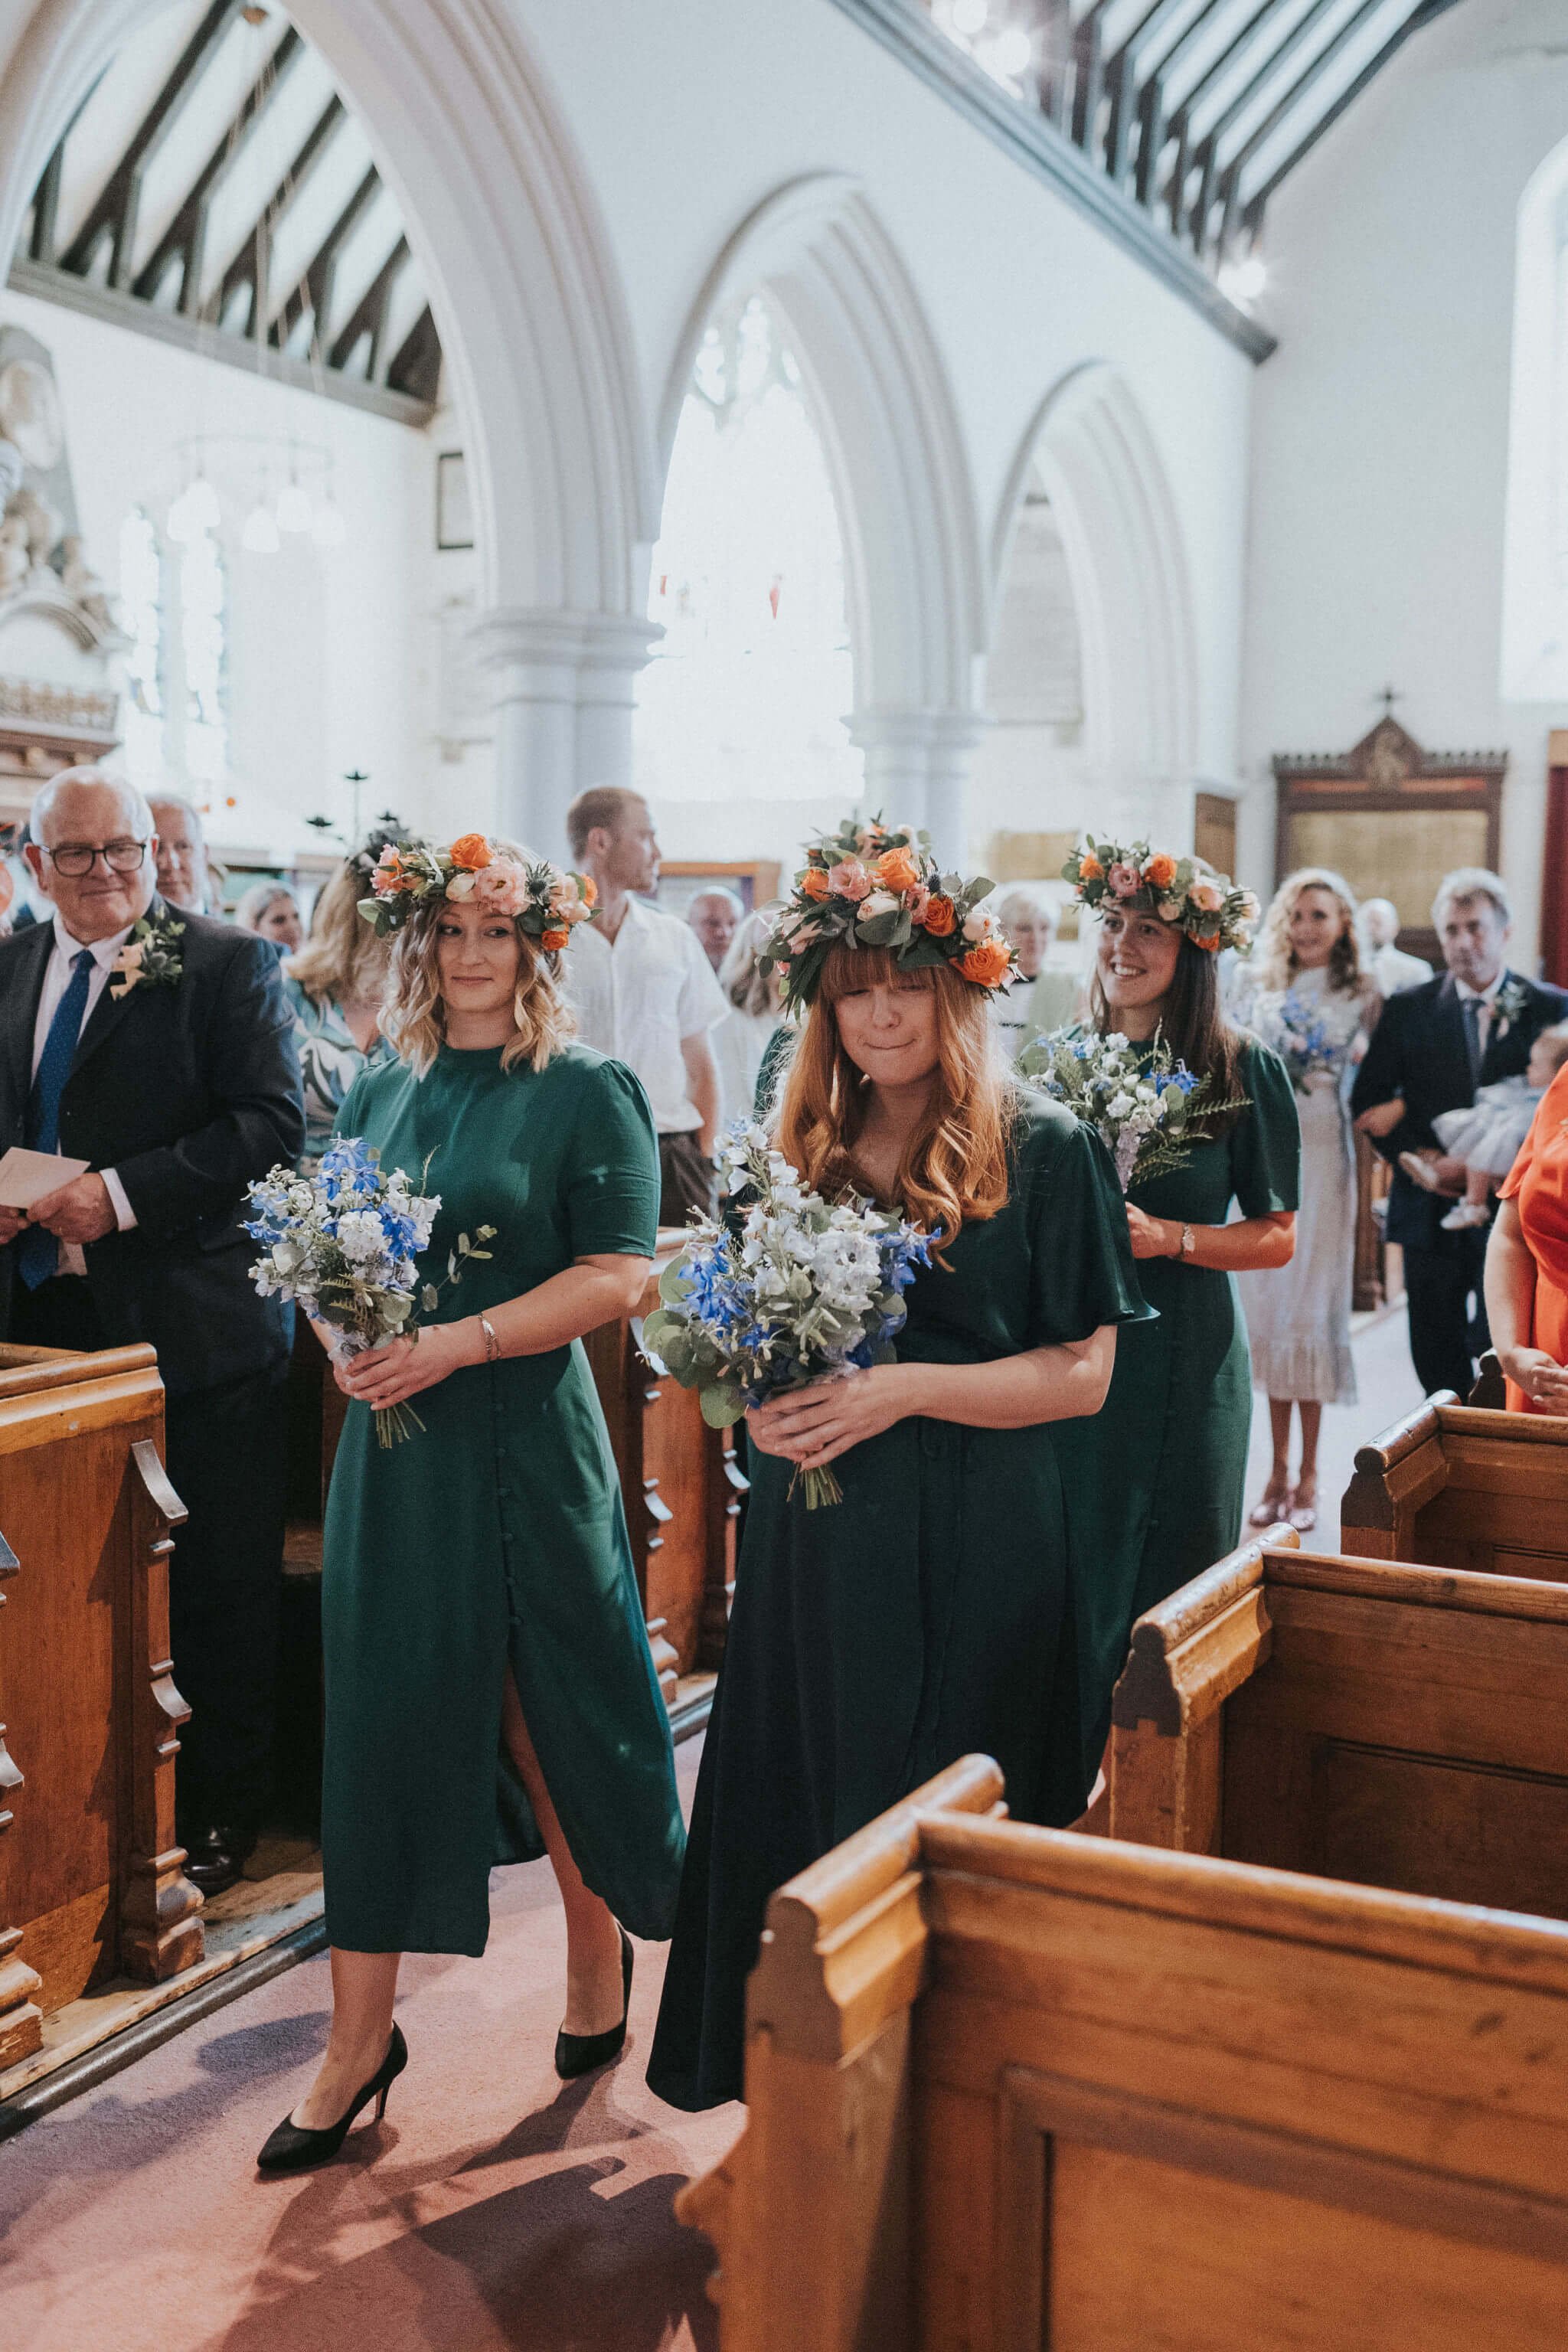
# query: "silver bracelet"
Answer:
x=492 y=1345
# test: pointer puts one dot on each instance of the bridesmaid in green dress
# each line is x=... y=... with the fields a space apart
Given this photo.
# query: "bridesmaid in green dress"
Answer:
x=489 y=1692
x=923 y=1617
x=1158 y=1477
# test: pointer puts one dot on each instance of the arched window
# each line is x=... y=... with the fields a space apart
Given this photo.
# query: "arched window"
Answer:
x=202 y=753
x=142 y=607
x=745 y=697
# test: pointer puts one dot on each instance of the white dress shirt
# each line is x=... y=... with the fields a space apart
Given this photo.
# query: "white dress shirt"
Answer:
x=637 y=996
x=1393 y=970
x=57 y=980
x=1486 y=998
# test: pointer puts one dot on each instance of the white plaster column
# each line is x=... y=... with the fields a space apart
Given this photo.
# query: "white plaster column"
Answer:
x=918 y=765
x=564 y=686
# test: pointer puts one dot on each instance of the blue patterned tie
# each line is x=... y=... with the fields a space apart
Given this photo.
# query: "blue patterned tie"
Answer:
x=38 y=1251
x=1472 y=1009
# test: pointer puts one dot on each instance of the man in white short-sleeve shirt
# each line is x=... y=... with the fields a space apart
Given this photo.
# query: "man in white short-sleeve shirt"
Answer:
x=643 y=991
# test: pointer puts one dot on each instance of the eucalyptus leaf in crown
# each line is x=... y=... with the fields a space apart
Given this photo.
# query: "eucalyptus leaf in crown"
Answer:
x=546 y=900
x=872 y=886
x=1211 y=909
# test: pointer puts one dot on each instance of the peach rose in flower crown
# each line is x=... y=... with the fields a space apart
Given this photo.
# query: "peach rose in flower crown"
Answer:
x=816 y=884
x=1161 y=870
x=472 y=852
x=849 y=879
x=1206 y=896
x=917 y=900
x=942 y=918
x=1089 y=867
x=878 y=902
x=554 y=940
x=896 y=870
x=987 y=964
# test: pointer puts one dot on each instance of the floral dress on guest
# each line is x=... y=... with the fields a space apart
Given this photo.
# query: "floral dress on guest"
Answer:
x=329 y=1061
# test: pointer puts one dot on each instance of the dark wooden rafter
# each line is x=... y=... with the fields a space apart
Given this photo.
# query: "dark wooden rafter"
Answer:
x=249 y=267
x=115 y=210
x=183 y=242
x=313 y=290
x=416 y=365
x=1208 y=153
x=1284 y=105
x=1192 y=99
x=369 y=315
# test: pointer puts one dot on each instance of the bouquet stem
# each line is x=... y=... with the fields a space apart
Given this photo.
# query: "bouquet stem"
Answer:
x=394 y=1423
x=821 y=1488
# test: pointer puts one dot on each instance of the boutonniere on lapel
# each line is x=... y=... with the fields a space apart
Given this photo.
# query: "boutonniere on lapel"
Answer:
x=150 y=956
x=1508 y=1004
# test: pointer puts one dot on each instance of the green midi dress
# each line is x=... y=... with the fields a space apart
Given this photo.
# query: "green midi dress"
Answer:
x=925 y=1616
x=495 y=1537
x=1158 y=1478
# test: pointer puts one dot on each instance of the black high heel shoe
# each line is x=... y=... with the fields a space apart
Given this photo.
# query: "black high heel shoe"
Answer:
x=294 y=2148
x=579 y=2054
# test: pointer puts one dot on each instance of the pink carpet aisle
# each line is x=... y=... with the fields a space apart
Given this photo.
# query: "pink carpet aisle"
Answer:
x=493 y=2209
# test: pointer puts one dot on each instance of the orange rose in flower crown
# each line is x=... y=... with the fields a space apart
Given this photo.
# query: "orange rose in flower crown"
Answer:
x=877 y=886
x=545 y=901
x=1207 y=906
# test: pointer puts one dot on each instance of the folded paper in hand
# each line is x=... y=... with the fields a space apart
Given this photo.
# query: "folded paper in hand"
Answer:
x=29 y=1176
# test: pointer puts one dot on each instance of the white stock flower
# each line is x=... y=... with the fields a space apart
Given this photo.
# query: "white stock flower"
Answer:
x=360 y=1236
x=875 y=903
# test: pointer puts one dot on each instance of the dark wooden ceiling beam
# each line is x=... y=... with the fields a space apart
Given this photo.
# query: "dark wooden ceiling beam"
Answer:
x=1208 y=148
x=1252 y=216
x=184 y=239
x=249 y=265
x=115 y=210
x=1182 y=121
x=369 y=315
x=314 y=291
x=1281 y=112
x=416 y=367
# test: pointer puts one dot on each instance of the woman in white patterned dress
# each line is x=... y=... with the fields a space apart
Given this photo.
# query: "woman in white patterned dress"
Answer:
x=1306 y=995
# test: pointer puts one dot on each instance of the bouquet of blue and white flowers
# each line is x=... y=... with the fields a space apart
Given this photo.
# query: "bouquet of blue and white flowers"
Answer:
x=1304 y=1041
x=1148 y=1114
x=342 y=1242
x=785 y=1289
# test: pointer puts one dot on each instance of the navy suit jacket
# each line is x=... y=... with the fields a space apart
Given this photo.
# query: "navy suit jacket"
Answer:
x=188 y=1092
x=1419 y=1050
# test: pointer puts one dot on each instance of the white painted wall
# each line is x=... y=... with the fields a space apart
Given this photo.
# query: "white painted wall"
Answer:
x=687 y=116
x=331 y=653
x=1380 y=436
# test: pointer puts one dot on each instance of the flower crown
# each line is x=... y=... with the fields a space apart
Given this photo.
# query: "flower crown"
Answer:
x=545 y=900
x=1207 y=906
x=873 y=886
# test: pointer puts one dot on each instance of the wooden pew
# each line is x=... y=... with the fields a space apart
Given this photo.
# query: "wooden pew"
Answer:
x=1358 y=1719
x=1011 y=2088
x=90 y=1878
x=1457 y=1487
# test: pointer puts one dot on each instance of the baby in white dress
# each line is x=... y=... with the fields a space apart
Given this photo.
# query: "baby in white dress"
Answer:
x=1486 y=1138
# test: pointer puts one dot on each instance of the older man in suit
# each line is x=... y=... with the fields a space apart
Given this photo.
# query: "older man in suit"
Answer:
x=1433 y=1046
x=157 y=1046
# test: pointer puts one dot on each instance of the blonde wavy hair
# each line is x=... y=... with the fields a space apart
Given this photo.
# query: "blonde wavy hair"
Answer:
x=342 y=961
x=414 y=1017
x=954 y=1170
x=1274 y=964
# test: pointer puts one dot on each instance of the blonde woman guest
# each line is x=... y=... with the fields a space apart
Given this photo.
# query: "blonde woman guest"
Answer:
x=922 y=1616
x=272 y=911
x=489 y=1692
x=1040 y=1001
x=742 y=1039
x=334 y=986
x=1308 y=996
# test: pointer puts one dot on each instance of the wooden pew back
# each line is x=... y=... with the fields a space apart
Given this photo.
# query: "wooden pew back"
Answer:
x=1458 y=1487
x=1011 y=2088
x=1357 y=1719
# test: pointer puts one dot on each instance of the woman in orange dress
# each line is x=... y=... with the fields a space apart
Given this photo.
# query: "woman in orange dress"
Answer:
x=1527 y=1263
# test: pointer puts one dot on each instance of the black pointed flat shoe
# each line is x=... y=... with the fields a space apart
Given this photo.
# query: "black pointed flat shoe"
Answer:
x=579 y=2054
x=294 y=2148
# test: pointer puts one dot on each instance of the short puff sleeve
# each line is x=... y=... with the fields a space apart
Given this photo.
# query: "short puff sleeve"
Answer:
x=1081 y=1269
x=610 y=1168
x=1265 y=1141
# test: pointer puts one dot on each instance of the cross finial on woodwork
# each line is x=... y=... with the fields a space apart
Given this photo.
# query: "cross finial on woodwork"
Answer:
x=1388 y=696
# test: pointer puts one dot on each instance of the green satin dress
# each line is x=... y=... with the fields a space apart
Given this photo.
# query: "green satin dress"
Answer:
x=495 y=1537
x=924 y=1617
x=1158 y=1478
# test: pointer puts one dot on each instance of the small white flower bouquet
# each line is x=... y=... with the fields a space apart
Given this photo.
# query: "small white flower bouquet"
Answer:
x=342 y=1242
x=785 y=1289
x=1148 y=1115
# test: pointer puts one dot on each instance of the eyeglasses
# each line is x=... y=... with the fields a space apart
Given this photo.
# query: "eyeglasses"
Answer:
x=75 y=858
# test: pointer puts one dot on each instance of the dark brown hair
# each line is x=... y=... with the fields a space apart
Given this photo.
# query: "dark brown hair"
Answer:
x=1191 y=1022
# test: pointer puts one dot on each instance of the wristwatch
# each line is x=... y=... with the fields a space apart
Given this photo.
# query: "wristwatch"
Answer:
x=1189 y=1241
